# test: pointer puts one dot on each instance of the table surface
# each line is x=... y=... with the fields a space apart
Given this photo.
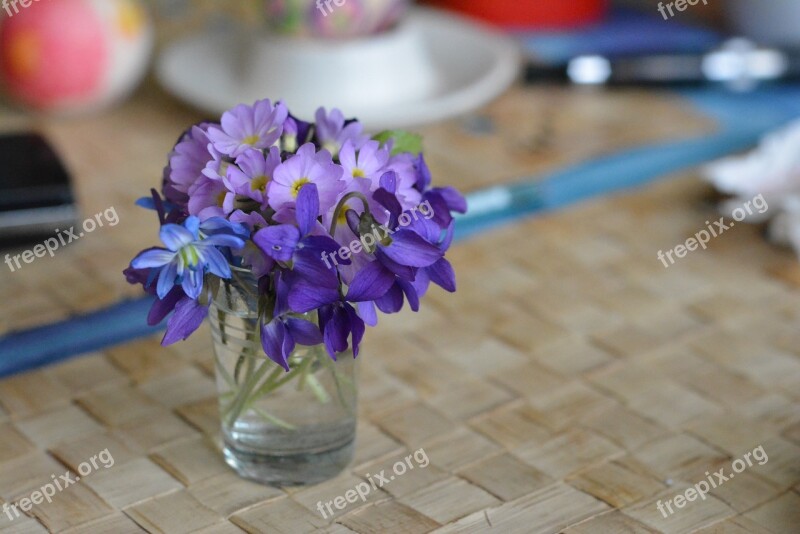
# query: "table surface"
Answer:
x=569 y=385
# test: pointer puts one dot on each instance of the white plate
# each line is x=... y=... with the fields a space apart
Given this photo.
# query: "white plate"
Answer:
x=432 y=67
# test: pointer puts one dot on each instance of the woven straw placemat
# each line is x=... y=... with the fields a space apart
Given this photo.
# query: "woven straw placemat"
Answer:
x=569 y=385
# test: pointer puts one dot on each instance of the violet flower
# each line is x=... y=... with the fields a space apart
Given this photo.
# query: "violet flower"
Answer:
x=333 y=131
x=250 y=177
x=266 y=191
x=259 y=126
x=307 y=166
x=310 y=283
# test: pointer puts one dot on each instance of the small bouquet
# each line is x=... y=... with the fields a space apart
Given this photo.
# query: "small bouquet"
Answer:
x=333 y=224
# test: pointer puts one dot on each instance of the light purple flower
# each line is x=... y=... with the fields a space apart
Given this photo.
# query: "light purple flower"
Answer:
x=333 y=131
x=405 y=167
x=207 y=199
x=307 y=166
x=259 y=126
x=251 y=175
x=188 y=159
x=369 y=162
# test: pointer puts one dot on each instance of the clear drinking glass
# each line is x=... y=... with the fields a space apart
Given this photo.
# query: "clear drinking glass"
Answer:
x=280 y=428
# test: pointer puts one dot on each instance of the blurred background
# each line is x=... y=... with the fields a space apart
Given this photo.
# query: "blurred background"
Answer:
x=570 y=359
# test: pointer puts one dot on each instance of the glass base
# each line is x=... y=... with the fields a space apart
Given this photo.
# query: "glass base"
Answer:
x=298 y=469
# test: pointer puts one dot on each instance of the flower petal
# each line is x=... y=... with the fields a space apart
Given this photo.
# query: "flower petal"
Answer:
x=411 y=294
x=392 y=301
x=357 y=328
x=304 y=332
x=278 y=242
x=442 y=275
x=305 y=295
x=219 y=225
x=222 y=240
x=307 y=208
x=370 y=283
x=216 y=262
x=403 y=271
x=310 y=264
x=162 y=308
x=409 y=248
x=389 y=201
x=366 y=310
x=192 y=283
x=166 y=279
x=276 y=342
x=455 y=200
x=152 y=258
x=388 y=181
x=336 y=331
x=175 y=236
x=188 y=317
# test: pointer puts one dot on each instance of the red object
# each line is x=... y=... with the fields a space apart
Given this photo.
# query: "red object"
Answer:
x=527 y=14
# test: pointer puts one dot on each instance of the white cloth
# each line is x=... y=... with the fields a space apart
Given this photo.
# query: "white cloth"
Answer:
x=771 y=170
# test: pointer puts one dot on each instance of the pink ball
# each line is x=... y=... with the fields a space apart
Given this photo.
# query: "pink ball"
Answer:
x=71 y=55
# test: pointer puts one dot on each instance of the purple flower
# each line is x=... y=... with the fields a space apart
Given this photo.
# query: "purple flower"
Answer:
x=284 y=198
x=310 y=284
x=343 y=234
x=400 y=256
x=404 y=247
x=259 y=126
x=369 y=162
x=280 y=336
x=188 y=257
x=423 y=174
x=208 y=199
x=338 y=322
x=251 y=176
x=216 y=168
x=307 y=166
x=295 y=134
x=333 y=131
x=282 y=332
x=189 y=315
x=189 y=157
x=443 y=201
x=403 y=165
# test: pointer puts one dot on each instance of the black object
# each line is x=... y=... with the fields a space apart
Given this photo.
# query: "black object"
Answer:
x=35 y=193
x=738 y=64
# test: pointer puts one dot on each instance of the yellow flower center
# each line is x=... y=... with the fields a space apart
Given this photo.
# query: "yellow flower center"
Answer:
x=259 y=183
x=189 y=256
x=298 y=184
x=221 y=198
x=358 y=173
x=250 y=140
x=223 y=168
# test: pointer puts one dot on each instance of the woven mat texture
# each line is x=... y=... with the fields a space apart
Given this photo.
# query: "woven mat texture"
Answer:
x=569 y=385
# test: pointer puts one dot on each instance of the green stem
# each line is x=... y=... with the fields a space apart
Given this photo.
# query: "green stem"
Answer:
x=343 y=205
x=337 y=379
x=253 y=378
x=277 y=421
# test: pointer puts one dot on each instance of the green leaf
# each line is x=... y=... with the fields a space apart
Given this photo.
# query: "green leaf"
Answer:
x=403 y=141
